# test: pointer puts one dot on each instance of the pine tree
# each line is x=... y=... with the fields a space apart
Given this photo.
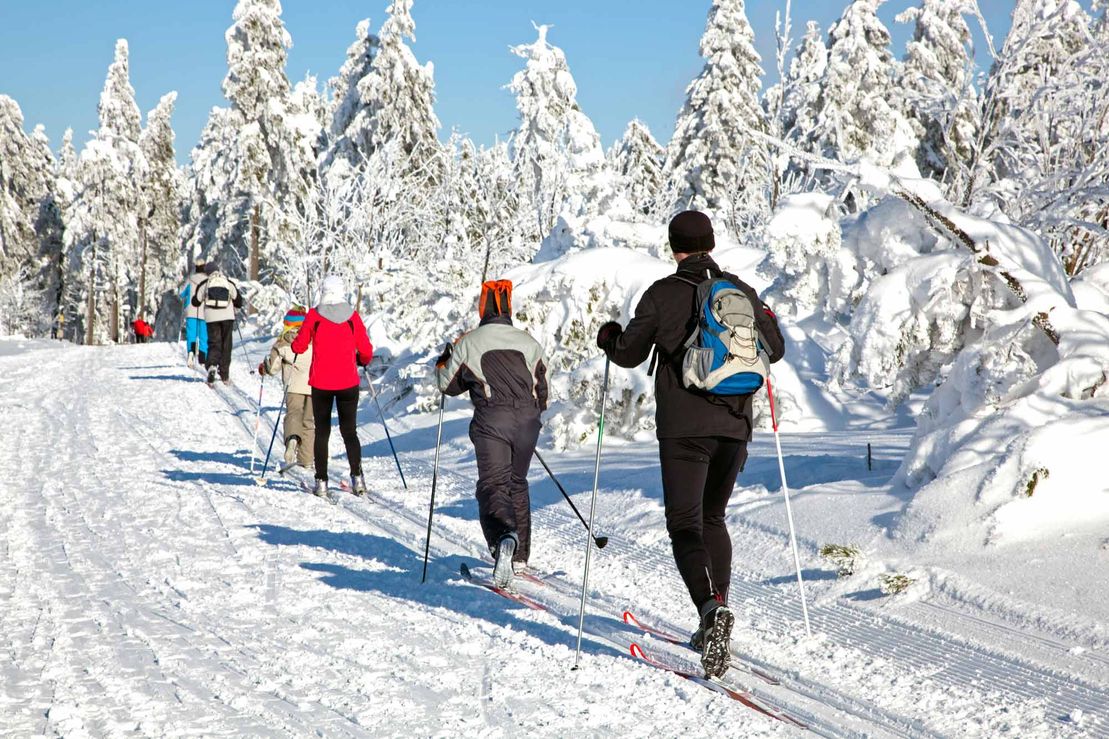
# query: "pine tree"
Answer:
x=349 y=129
x=860 y=114
x=717 y=164
x=936 y=80
x=557 y=154
x=257 y=164
x=30 y=227
x=399 y=96
x=803 y=90
x=101 y=280
x=161 y=262
x=637 y=159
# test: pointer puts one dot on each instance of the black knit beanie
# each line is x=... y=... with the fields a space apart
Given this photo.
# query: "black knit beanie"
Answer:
x=691 y=231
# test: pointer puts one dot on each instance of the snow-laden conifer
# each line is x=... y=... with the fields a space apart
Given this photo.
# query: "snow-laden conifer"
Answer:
x=398 y=95
x=714 y=161
x=860 y=115
x=555 y=149
x=161 y=262
x=637 y=159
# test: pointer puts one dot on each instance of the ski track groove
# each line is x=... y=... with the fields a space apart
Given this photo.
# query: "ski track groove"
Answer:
x=202 y=651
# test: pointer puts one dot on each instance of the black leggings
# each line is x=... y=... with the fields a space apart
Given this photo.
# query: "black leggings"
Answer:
x=698 y=475
x=347 y=403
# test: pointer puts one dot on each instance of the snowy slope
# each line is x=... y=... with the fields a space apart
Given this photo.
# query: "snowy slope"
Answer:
x=147 y=584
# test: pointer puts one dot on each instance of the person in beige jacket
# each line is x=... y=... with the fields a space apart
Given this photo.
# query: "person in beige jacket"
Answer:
x=300 y=424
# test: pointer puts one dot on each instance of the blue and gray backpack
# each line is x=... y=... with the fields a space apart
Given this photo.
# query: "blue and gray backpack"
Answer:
x=725 y=354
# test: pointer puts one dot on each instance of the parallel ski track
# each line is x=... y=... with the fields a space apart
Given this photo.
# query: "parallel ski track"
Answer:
x=825 y=711
x=920 y=649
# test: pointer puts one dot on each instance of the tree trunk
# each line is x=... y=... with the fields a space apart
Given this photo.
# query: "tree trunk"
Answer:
x=254 y=218
x=142 y=274
x=90 y=311
x=114 y=324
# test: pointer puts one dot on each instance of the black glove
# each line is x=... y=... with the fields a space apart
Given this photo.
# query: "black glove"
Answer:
x=607 y=336
x=445 y=356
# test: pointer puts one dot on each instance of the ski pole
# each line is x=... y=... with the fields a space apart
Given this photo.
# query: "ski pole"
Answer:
x=257 y=423
x=592 y=510
x=384 y=425
x=601 y=541
x=265 y=465
x=789 y=512
x=434 y=481
x=242 y=346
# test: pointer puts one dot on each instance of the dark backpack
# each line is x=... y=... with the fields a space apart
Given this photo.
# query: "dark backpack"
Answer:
x=725 y=354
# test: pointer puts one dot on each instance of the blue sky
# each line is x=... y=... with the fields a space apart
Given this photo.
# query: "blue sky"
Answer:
x=631 y=58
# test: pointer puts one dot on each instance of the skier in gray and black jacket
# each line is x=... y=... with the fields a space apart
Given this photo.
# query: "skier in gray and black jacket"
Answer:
x=504 y=371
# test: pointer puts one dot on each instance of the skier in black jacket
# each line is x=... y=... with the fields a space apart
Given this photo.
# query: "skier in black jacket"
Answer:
x=702 y=437
x=503 y=369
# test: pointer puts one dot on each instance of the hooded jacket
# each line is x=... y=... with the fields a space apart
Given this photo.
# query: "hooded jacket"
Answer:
x=498 y=364
x=192 y=285
x=226 y=313
x=664 y=318
x=339 y=344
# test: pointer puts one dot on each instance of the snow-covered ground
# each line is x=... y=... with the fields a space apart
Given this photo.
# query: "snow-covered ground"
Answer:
x=148 y=585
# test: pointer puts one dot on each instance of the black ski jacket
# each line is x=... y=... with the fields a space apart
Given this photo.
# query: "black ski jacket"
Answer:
x=665 y=318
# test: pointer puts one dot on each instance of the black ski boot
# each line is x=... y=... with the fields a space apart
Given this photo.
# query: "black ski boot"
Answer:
x=716 y=636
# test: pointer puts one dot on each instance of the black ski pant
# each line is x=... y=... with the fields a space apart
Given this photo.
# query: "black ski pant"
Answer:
x=698 y=475
x=504 y=438
x=347 y=403
x=220 y=335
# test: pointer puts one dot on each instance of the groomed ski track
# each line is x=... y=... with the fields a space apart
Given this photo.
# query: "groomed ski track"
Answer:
x=148 y=585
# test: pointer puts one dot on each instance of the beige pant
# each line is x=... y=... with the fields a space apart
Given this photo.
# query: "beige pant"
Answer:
x=300 y=422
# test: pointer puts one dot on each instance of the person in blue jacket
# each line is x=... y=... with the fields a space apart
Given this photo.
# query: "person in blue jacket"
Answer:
x=196 y=330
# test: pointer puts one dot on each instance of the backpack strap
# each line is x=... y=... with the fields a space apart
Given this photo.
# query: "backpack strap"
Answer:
x=657 y=350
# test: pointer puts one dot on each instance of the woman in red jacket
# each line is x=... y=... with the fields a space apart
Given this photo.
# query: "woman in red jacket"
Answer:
x=339 y=346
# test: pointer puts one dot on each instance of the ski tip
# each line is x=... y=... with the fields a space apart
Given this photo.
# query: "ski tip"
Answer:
x=260 y=481
x=637 y=651
x=464 y=570
x=630 y=619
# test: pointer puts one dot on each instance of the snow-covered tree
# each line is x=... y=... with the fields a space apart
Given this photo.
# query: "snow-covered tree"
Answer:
x=801 y=106
x=161 y=257
x=347 y=130
x=397 y=95
x=859 y=109
x=30 y=226
x=637 y=159
x=937 y=84
x=555 y=148
x=103 y=253
x=717 y=164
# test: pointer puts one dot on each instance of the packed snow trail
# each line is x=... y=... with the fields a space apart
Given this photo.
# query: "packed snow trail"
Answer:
x=148 y=584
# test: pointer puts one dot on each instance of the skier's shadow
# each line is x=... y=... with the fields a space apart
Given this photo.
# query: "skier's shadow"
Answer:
x=395 y=573
x=237 y=460
x=176 y=378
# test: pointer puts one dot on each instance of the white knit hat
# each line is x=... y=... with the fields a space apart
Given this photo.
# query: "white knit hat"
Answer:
x=332 y=290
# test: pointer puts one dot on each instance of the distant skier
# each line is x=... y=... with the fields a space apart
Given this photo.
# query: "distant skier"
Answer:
x=504 y=371
x=144 y=332
x=300 y=425
x=196 y=330
x=337 y=337
x=702 y=436
x=220 y=297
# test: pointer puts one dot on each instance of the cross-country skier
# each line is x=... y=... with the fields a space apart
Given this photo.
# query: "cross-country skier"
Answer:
x=702 y=437
x=300 y=426
x=503 y=369
x=196 y=330
x=220 y=297
x=337 y=337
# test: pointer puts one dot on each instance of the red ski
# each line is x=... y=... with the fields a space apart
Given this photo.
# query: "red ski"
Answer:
x=510 y=594
x=631 y=620
x=716 y=687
